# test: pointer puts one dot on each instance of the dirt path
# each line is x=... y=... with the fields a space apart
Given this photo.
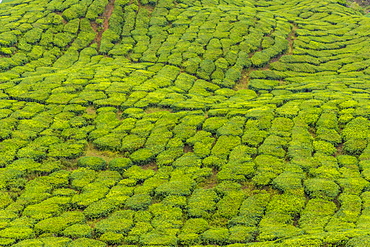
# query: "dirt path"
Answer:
x=244 y=80
x=106 y=16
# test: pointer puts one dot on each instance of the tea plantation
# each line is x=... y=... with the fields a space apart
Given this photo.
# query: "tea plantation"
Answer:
x=184 y=123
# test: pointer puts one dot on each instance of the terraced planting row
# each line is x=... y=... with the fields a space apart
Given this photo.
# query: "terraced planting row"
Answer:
x=188 y=123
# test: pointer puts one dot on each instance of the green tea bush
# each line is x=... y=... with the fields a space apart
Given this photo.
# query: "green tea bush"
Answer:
x=235 y=171
x=224 y=144
x=181 y=187
x=289 y=109
x=72 y=217
x=278 y=218
x=354 y=184
x=233 y=127
x=259 y=59
x=29 y=242
x=324 y=147
x=216 y=236
x=120 y=193
x=301 y=143
x=100 y=208
x=356 y=129
x=91 y=192
x=324 y=166
x=289 y=182
x=228 y=206
x=17 y=232
x=42 y=210
x=195 y=225
x=108 y=142
x=138 y=173
x=81 y=177
x=91 y=162
x=254 y=137
x=329 y=135
x=142 y=156
x=328 y=120
x=347 y=160
x=359 y=241
x=241 y=234
x=355 y=146
x=251 y=211
x=166 y=217
x=155 y=238
x=201 y=203
x=281 y=126
x=347 y=214
x=51 y=225
x=120 y=164
x=189 y=238
x=87 y=242
x=138 y=202
x=316 y=215
x=63 y=39
x=187 y=160
x=119 y=222
x=268 y=167
x=273 y=145
x=111 y=238
x=321 y=188
x=157 y=140
x=213 y=123
x=33 y=35
x=175 y=201
x=132 y=142
x=168 y=156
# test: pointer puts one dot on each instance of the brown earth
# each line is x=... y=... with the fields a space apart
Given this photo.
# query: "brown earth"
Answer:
x=100 y=29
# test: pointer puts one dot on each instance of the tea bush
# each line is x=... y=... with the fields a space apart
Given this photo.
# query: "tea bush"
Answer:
x=94 y=163
x=217 y=123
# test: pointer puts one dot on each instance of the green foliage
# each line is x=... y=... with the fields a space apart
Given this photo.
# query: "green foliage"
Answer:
x=142 y=156
x=81 y=177
x=158 y=238
x=228 y=206
x=78 y=231
x=316 y=215
x=132 y=142
x=137 y=173
x=17 y=232
x=201 y=203
x=268 y=167
x=138 y=202
x=195 y=225
x=192 y=123
x=91 y=162
x=52 y=225
x=289 y=182
x=120 y=164
x=224 y=144
x=100 y=208
x=359 y=241
x=216 y=236
x=42 y=210
x=324 y=147
x=181 y=187
x=251 y=211
x=92 y=192
x=321 y=188
x=87 y=242
x=119 y=222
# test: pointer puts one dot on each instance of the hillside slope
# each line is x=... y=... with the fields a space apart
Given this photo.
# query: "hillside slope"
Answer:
x=188 y=123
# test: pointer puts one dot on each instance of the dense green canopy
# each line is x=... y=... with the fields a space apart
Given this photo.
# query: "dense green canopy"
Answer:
x=184 y=123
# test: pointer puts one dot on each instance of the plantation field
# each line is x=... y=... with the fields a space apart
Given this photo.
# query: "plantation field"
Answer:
x=184 y=123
